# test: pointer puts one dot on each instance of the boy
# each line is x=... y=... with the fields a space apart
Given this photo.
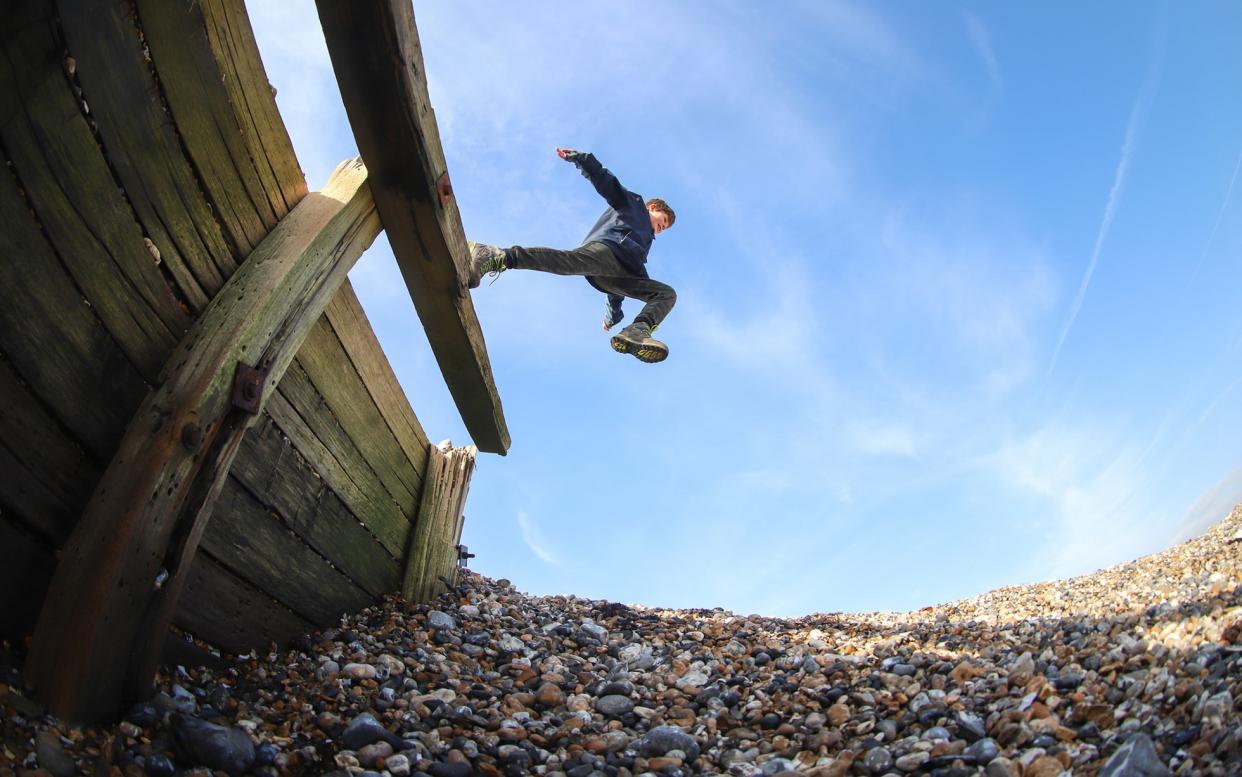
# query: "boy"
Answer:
x=613 y=259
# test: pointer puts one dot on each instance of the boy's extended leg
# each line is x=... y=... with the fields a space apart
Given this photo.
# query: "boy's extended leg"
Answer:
x=636 y=338
x=590 y=259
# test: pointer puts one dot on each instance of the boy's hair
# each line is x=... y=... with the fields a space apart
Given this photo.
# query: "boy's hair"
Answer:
x=662 y=206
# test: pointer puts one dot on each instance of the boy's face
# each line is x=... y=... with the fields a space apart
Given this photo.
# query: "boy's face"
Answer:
x=659 y=220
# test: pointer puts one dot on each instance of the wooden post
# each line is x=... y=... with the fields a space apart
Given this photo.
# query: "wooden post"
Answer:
x=433 y=543
x=103 y=621
x=379 y=68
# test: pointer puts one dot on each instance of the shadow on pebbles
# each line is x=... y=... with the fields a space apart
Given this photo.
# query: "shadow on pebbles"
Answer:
x=1134 y=670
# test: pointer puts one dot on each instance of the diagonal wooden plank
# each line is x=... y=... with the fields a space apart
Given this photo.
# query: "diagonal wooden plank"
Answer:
x=68 y=184
x=48 y=334
x=379 y=68
x=334 y=459
x=97 y=640
x=230 y=612
x=350 y=323
x=140 y=140
x=253 y=100
x=244 y=195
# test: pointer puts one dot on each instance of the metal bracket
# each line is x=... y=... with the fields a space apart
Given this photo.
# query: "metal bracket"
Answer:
x=463 y=555
x=444 y=187
x=248 y=386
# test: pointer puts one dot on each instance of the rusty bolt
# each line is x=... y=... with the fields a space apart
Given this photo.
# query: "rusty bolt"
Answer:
x=191 y=436
x=250 y=390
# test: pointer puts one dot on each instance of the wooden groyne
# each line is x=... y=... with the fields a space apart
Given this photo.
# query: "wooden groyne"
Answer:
x=199 y=429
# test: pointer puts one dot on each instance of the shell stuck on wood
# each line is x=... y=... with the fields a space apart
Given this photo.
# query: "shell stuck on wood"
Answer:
x=155 y=252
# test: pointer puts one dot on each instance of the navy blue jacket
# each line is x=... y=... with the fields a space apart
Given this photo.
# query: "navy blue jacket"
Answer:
x=626 y=226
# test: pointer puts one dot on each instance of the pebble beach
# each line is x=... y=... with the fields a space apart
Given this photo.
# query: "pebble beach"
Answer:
x=1132 y=670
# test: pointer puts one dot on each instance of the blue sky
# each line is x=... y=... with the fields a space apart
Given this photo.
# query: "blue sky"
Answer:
x=958 y=288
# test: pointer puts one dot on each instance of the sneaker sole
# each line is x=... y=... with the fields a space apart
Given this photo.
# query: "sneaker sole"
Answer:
x=643 y=353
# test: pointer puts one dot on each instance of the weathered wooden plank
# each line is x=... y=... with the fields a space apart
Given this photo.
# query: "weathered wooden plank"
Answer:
x=253 y=99
x=193 y=85
x=379 y=68
x=52 y=338
x=25 y=567
x=271 y=467
x=230 y=613
x=356 y=334
x=328 y=366
x=277 y=476
x=366 y=499
x=256 y=545
x=154 y=499
x=45 y=477
x=432 y=545
x=141 y=144
x=67 y=182
x=353 y=328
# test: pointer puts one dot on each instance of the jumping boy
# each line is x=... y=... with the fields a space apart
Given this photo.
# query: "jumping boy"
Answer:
x=613 y=259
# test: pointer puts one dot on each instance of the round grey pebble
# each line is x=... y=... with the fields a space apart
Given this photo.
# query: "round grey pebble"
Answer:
x=614 y=705
x=661 y=739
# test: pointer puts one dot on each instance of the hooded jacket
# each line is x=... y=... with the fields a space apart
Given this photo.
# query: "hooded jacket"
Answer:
x=626 y=226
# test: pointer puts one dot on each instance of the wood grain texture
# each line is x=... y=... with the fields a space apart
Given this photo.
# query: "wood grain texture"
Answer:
x=52 y=338
x=433 y=545
x=102 y=609
x=254 y=101
x=329 y=368
x=193 y=85
x=351 y=325
x=141 y=144
x=232 y=614
x=68 y=184
x=379 y=68
x=330 y=453
x=257 y=546
x=45 y=477
x=277 y=476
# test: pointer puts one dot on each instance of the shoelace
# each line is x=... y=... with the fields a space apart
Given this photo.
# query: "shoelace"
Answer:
x=494 y=268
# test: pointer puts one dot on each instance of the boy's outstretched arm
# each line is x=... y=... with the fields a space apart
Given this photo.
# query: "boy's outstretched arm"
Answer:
x=604 y=181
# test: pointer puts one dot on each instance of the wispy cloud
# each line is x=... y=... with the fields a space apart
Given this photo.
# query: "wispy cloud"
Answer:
x=1138 y=115
x=981 y=39
x=534 y=540
x=880 y=438
x=1092 y=489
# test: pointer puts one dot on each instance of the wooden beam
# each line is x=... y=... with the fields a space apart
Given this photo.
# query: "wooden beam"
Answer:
x=379 y=68
x=433 y=544
x=108 y=608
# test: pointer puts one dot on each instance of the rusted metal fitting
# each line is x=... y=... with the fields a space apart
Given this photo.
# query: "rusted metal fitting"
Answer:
x=248 y=388
x=191 y=436
x=444 y=187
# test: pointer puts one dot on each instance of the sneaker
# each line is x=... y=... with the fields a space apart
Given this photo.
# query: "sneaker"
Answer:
x=636 y=339
x=484 y=260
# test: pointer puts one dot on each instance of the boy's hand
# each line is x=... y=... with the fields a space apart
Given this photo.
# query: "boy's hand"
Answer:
x=607 y=325
x=567 y=154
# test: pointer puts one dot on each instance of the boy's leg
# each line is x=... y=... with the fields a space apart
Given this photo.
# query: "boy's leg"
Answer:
x=590 y=259
x=636 y=338
x=659 y=297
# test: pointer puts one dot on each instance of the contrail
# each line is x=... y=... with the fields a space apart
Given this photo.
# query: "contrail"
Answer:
x=1220 y=215
x=1138 y=115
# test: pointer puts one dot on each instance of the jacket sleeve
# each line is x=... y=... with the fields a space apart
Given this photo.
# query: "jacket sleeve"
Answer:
x=612 y=310
x=604 y=181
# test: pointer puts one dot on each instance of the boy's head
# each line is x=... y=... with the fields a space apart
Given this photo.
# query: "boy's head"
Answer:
x=662 y=216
